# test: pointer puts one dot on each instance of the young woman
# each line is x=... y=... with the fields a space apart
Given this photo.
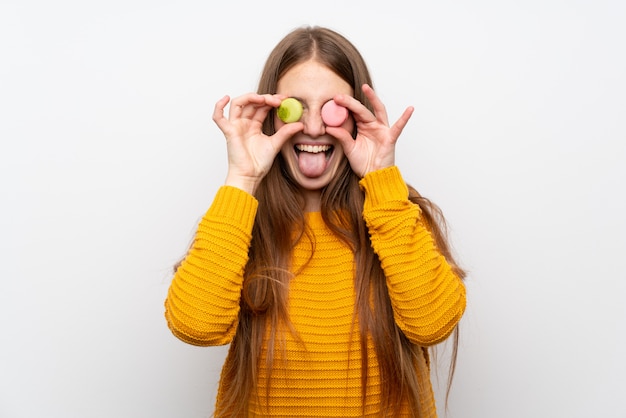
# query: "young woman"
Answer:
x=328 y=276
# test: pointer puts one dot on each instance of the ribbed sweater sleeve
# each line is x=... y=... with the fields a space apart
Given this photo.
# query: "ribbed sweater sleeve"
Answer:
x=202 y=304
x=428 y=299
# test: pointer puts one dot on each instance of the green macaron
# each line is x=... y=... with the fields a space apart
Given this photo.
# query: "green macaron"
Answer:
x=290 y=110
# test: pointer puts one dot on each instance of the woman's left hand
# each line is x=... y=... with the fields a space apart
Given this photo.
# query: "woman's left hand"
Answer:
x=375 y=142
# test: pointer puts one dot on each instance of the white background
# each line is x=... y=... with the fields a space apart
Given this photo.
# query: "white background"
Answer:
x=108 y=159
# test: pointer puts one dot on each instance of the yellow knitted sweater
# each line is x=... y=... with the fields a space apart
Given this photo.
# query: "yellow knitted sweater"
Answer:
x=321 y=376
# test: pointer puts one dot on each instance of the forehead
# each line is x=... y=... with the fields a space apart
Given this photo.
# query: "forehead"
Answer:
x=310 y=80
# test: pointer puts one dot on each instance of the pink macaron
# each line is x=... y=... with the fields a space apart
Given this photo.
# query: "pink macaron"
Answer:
x=333 y=114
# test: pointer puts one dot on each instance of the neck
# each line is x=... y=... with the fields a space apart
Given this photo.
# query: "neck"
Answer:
x=312 y=200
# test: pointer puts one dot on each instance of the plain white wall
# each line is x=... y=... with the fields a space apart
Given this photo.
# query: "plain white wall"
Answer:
x=108 y=159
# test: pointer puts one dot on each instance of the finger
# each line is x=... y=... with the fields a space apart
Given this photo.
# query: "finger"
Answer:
x=274 y=100
x=358 y=110
x=397 y=127
x=285 y=132
x=244 y=106
x=343 y=136
x=266 y=103
x=289 y=129
x=218 y=112
x=260 y=108
x=379 y=108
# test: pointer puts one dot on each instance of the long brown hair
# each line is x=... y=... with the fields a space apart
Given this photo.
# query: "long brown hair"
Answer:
x=280 y=224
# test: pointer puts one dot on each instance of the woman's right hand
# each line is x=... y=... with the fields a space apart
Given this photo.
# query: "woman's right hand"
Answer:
x=250 y=152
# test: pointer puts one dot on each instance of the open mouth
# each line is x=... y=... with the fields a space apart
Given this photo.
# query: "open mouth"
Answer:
x=313 y=160
x=314 y=149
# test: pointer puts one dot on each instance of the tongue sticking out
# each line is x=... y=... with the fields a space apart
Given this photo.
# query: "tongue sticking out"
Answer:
x=312 y=164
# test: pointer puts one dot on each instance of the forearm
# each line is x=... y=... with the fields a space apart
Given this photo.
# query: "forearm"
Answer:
x=202 y=304
x=428 y=299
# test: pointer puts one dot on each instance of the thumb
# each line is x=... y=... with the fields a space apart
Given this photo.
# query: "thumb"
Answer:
x=285 y=132
x=344 y=137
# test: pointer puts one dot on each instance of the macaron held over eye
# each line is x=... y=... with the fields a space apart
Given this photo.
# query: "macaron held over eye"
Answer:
x=290 y=110
x=334 y=114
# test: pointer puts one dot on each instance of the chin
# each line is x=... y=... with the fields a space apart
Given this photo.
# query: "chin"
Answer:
x=311 y=184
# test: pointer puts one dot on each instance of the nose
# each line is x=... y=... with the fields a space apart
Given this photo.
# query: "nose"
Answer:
x=313 y=124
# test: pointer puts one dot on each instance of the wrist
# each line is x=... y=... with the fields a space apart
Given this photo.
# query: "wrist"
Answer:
x=246 y=183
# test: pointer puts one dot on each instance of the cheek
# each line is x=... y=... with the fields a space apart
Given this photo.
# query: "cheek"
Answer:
x=339 y=154
x=289 y=157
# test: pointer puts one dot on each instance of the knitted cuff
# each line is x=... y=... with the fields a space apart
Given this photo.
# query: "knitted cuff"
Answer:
x=234 y=204
x=384 y=185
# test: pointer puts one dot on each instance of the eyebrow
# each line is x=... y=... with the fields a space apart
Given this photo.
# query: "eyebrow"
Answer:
x=300 y=99
x=303 y=101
